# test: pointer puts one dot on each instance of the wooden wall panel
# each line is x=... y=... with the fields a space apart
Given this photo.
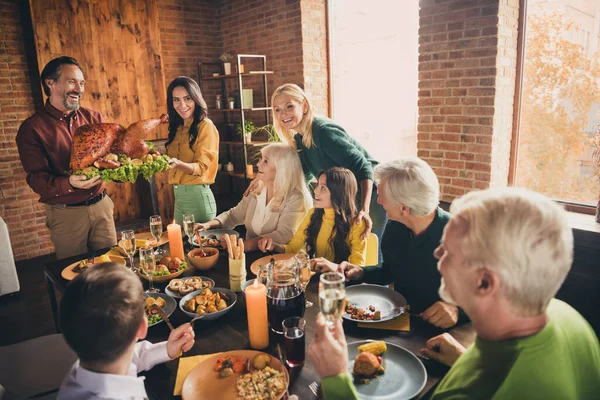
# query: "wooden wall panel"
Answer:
x=117 y=44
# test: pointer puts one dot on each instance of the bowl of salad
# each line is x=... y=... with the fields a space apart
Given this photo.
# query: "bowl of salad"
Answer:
x=167 y=268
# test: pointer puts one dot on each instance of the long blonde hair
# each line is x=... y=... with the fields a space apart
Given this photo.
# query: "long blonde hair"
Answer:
x=305 y=128
x=289 y=177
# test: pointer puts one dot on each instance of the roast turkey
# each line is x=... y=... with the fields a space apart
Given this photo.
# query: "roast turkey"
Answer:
x=94 y=141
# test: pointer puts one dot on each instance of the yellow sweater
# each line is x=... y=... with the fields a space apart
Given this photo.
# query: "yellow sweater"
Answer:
x=358 y=246
x=204 y=156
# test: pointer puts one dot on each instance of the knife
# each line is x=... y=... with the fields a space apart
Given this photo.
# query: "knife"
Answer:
x=162 y=314
x=287 y=392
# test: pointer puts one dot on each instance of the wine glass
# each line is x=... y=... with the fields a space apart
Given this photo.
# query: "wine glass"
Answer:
x=188 y=227
x=304 y=271
x=128 y=240
x=156 y=229
x=332 y=296
x=148 y=266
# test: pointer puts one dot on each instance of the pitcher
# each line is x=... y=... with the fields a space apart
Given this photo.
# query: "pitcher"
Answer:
x=285 y=297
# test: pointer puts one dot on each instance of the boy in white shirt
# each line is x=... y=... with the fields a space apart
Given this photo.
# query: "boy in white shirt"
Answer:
x=102 y=317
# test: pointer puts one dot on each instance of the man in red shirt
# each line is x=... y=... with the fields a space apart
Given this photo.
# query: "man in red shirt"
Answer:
x=79 y=214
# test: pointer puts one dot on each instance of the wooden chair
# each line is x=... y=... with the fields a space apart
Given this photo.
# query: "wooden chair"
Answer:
x=372 y=257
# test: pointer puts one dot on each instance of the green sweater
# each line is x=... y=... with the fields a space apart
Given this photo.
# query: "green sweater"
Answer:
x=409 y=263
x=339 y=387
x=562 y=361
x=333 y=147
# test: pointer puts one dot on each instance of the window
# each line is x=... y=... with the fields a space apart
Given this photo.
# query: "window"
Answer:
x=560 y=101
x=374 y=73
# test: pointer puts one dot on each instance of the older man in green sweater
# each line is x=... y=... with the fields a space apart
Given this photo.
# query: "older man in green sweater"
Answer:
x=503 y=256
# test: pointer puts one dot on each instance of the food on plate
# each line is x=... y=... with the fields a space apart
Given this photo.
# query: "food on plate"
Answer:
x=151 y=313
x=368 y=363
x=197 y=253
x=261 y=361
x=207 y=302
x=115 y=153
x=167 y=266
x=227 y=366
x=361 y=314
x=266 y=383
x=187 y=286
x=377 y=347
x=210 y=241
x=81 y=265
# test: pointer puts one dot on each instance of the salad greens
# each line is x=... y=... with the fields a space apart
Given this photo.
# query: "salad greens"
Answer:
x=128 y=172
x=152 y=319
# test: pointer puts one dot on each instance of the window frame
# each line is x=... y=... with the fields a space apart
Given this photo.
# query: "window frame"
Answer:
x=514 y=143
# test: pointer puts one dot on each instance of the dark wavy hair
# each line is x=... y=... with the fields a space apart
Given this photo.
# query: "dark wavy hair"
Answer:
x=52 y=70
x=343 y=188
x=200 y=112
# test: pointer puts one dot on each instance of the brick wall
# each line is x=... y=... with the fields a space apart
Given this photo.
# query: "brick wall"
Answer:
x=19 y=206
x=466 y=82
x=314 y=53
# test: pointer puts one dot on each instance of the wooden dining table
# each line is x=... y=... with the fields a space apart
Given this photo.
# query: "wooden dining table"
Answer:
x=230 y=332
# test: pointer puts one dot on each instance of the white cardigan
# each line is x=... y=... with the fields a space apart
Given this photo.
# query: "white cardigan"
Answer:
x=280 y=226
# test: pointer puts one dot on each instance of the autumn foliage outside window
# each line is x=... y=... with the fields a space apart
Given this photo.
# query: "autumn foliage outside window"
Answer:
x=560 y=100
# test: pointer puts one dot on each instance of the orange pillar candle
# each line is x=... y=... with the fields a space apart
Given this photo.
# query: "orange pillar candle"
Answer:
x=175 y=240
x=256 y=306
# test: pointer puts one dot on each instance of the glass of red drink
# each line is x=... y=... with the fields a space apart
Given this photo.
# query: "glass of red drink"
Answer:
x=294 y=341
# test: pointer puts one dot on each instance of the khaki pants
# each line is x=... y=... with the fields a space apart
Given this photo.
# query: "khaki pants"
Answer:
x=79 y=230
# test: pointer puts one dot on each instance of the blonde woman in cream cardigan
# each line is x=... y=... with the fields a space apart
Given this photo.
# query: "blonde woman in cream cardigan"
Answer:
x=277 y=206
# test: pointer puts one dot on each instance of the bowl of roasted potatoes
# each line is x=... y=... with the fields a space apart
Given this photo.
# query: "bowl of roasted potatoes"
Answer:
x=209 y=303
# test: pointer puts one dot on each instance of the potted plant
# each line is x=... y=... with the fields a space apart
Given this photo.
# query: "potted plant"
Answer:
x=247 y=131
x=270 y=133
x=226 y=59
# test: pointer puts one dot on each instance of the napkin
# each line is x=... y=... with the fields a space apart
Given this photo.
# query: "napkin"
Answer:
x=400 y=323
x=114 y=253
x=186 y=365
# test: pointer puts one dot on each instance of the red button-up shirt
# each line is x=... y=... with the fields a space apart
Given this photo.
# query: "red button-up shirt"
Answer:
x=45 y=140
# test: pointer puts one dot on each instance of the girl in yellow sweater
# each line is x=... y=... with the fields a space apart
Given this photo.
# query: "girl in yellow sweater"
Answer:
x=329 y=231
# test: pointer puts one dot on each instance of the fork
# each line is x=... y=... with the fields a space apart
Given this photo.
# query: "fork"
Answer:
x=199 y=240
x=314 y=387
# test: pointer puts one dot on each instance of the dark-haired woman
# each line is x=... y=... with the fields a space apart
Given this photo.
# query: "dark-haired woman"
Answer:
x=193 y=146
x=329 y=230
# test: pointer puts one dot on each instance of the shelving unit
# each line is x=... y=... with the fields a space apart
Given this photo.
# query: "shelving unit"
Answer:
x=238 y=114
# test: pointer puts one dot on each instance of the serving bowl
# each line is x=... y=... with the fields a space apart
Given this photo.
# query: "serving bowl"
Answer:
x=209 y=316
x=204 y=263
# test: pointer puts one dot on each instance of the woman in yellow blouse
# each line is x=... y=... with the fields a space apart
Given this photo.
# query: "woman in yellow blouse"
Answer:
x=329 y=231
x=193 y=146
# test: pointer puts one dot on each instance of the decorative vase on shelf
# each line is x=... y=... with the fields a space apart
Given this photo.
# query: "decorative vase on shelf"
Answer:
x=227 y=68
x=248 y=137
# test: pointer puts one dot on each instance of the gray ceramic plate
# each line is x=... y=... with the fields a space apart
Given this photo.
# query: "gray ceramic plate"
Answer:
x=211 y=316
x=404 y=378
x=214 y=234
x=169 y=307
x=178 y=295
x=384 y=299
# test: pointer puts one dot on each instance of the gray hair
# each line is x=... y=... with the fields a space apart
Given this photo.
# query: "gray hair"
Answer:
x=522 y=236
x=410 y=181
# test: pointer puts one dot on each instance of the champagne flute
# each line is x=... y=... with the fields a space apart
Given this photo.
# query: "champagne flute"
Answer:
x=304 y=270
x=188 y=227
x=148 y=266
x=156 y=229
x=332 y=296
x=128 y=239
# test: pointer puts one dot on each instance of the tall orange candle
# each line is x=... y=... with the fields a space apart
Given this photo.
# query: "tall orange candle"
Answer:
x=175 y=240
x=256 y=306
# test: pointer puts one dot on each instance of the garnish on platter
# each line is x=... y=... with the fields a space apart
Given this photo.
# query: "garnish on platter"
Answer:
x=370 y=314
x=368 y=364
x=167 y=266
x=115 y=153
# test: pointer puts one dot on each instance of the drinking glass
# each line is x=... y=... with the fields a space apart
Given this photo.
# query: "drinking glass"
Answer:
x=332 y=296
x=294 y=341
x=156 y=229
x=148 y=266
x=188 y=227
x=128 y=239
x=305 y=271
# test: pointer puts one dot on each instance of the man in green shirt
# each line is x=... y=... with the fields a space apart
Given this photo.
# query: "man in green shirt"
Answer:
x=503 y=256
